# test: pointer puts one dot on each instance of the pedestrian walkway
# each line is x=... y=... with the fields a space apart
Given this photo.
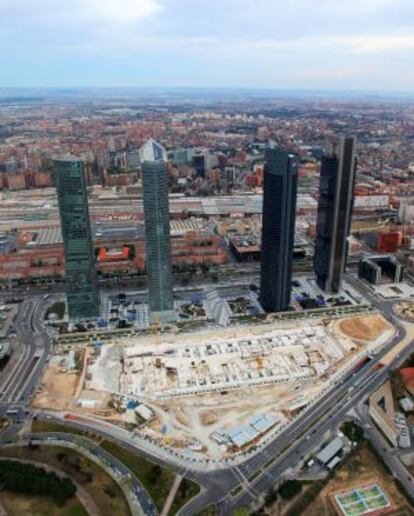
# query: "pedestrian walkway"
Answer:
x=171 y=495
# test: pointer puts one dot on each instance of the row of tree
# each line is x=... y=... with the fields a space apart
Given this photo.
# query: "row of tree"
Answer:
x=30 y=479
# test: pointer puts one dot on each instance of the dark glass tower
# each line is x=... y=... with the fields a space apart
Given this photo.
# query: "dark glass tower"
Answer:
x=278 y=229
x=334 y=212
x=81 y=284
x=157 y=231
x=200 y=164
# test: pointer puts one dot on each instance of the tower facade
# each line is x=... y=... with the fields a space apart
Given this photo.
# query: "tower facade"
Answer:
x=81 y=282
x=334 y=212
x=157 y=230
x=278 y=229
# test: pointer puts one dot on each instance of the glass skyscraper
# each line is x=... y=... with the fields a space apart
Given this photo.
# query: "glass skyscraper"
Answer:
x=334 y=212
x=157 y=231
x=81 y=283
x=278 y=229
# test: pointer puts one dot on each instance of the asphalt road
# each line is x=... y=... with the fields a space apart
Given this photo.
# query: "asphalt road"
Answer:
x=118 y=468
x=303 y=437
x=255 y=475
x=284 y=451
x=386 y=452
x=371 y=380
x=20 y=385
x=29 y=329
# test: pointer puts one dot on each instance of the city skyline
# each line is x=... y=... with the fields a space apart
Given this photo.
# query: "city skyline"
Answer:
x=158 y=294
x=366 y=46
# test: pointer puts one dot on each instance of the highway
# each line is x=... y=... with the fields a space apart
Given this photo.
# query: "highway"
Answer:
x=267 y=468
x=21 y=382
x=310 y=439
x=19 y=386
x=258 y=473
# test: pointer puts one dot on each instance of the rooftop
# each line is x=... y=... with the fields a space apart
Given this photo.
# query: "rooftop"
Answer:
x=4 y=349
x=152 y=151
x=67 y=158
x=330 y=450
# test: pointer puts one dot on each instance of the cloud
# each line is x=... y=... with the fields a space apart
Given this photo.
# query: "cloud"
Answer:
x=125 y=11
x=274 y=48
x=385 y=43
x=230 y=42
x=33 y=13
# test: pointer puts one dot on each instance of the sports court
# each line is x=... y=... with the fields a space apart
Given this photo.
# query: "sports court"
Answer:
x=369 y=499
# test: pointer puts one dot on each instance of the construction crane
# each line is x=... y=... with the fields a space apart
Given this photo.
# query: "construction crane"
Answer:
x=155 y=329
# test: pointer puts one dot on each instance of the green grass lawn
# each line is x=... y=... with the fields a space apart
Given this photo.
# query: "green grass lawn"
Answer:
x=186 y=491
x=17 y=504
x=106 y=493
x=40 y=426
x=57 y=308
x=156 y=480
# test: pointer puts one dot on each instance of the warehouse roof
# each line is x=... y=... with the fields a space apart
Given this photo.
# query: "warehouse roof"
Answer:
x=330 y=450
x=243 y=435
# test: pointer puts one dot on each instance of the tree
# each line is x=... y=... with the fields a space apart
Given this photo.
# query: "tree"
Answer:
x=397 y=383
x=289 y=489
x=214 y=277
x=241 y=512
x=270 y=497
x=154 y=474
x=353 y=431
x=30 y=479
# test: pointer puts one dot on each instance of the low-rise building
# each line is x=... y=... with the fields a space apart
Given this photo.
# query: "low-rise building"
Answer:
x=380 y=269
x=329 y=455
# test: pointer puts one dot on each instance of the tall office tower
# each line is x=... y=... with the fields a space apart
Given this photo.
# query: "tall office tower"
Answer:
x=200 y=163
x=81 y=283
x=334 y=212
x=278 y=229
x=203 y=161
x=157 y=230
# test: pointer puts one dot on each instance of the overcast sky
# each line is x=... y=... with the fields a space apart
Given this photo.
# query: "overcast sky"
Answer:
x=301 y=44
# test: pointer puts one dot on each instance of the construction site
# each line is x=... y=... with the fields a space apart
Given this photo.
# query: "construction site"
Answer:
x=405 y=310
x=214 y=393
x=278 y=356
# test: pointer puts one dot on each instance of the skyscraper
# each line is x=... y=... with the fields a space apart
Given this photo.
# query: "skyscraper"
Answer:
x=157 y=230
x=200 y=163
x=278 y=229
x=334 y=212
x=81 y=283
